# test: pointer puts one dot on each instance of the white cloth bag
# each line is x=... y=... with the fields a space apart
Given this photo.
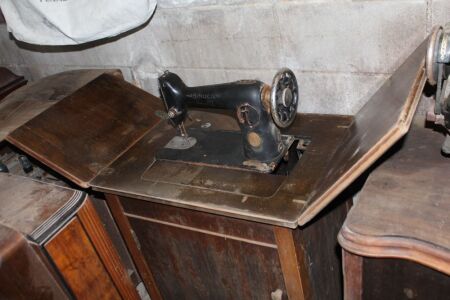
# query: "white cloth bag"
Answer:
x=68 y=22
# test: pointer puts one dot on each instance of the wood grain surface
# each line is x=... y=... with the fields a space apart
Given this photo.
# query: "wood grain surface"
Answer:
x=132 y=244
x=89 y=129
x=381 y=122
x=29 y=101
x=79 y=264
x=106 y=251
x=26 y=204
x=403 y=209
x=23 y=274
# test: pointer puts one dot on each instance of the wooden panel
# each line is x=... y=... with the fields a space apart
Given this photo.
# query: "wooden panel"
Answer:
x=189 y=263
x=106 y=251
x=29 y=101
x=200 y=220
x=403 y=208
x=75 y=257
x=318 y=244
x=402 y=280
x=131 y=242
x=86 y=131
x=384 y=119
x=353 y=273
x=23 y=275
x=297 y=285
x=9 y=81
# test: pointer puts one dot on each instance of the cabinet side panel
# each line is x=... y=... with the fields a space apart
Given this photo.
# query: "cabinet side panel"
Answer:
x=74 y=255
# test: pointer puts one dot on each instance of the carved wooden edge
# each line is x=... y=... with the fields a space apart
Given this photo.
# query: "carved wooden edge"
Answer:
x=352 y=266
x=293 y=267
x=106 y=250
x=127 y=234
x=419 y=251
x=386 y=142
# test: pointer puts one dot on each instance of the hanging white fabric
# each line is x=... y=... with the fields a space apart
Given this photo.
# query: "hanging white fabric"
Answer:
x=68 y=22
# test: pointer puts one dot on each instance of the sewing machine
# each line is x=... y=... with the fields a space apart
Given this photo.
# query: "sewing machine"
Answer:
x=438 y=71
x=259 y=109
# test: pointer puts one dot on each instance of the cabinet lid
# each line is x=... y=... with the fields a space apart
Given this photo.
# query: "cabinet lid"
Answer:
x=88 y=129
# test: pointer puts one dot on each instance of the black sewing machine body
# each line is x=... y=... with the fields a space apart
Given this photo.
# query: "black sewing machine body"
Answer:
x=258 y=146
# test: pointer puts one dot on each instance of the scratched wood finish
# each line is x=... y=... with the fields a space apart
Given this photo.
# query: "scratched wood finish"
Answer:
x=228 y=193
x=23 y=274
x=132 y=244
x=387 y=278
x=384 y=119
x=72 y=251
x=29 y=101
x=293 y=265
x=403 y=208
x=9 y=82
x=106 y=251
x=317 y=243
x=352 y=265
x=86 y=131
x=193 y=255
x=25 y=204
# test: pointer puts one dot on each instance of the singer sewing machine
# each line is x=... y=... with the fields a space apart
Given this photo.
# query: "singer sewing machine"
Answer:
x=191 y=179
x=260 y=110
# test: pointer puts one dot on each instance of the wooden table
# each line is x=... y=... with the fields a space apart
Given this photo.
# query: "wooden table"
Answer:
x=396 y=238
x=200 y=232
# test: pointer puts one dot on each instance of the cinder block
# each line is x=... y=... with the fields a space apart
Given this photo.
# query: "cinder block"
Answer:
x=350 y=36
x=440 y=12
x=221 y=37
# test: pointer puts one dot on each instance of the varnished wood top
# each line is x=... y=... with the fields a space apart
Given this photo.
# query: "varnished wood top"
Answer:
x=89 y=129
x=29 y=101
x=403 y=209
x=32 y=207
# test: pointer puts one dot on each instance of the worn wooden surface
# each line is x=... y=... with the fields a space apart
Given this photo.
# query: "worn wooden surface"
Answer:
x=9 y=82
x=89 y=129
x=194 y=255
x=29 y=101
x=132 y=244
x=293 y=265
x=106 y=251
x=23 y=274
x=79 y=264
x=390 y=278
x=245 y=195
x=352 y=266
x=317 y=244
x=403 y=210
x=26 y=204
x=384 y=119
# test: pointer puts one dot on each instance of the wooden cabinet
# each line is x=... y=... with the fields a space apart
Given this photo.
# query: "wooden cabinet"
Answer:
x=199 y=231
x=53 y=245
x=396 y=238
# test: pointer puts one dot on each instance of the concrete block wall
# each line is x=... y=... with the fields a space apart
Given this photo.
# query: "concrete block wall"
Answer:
x=340 y=50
